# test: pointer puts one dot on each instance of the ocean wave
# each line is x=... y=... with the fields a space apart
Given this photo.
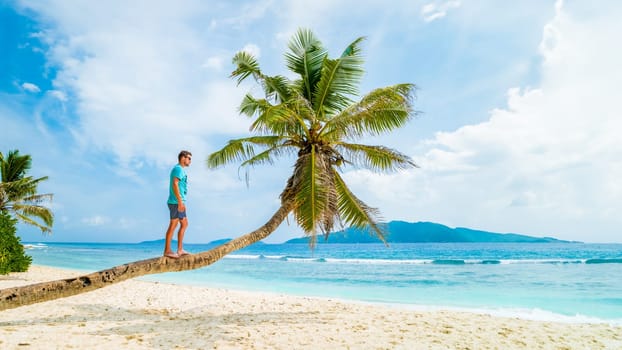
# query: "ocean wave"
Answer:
x=35 y=246
x=449 y=261
x=534 y=314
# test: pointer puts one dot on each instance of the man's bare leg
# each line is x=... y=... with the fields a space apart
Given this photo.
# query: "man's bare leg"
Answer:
x=169 y=236
x=180 y=236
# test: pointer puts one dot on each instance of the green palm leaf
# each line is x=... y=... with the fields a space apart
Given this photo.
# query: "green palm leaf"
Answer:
x=18 y=193
x=280 y=120
x=240 y=150
x=307 y=188
x=246 y=66
x=24 y=187
x=340 y=79
x=377 y=158
x=277 y=87
x=30 y=210
x=268 y=156
x=305 y=58
x=251 y=106
x=380 y=111
x=26 y=219
x=355 y=212
x=14 y=166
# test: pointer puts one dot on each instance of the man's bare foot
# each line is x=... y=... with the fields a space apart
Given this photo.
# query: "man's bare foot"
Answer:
x=182 y=253
x=171 y=255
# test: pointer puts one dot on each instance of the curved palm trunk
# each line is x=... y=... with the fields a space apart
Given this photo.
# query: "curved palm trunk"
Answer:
x=35 y=293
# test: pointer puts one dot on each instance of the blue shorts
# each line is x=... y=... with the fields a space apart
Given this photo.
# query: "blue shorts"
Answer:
x=175 y=213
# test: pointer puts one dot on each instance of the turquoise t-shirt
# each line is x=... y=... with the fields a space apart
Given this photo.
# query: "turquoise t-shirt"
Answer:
x=178 y=172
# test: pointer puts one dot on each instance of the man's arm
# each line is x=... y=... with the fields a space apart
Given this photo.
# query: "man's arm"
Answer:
x=180 y=203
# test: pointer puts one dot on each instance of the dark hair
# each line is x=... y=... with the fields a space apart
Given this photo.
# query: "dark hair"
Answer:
x=183 y=154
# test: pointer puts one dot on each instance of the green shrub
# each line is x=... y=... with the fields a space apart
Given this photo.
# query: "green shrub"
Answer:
x=12 y=255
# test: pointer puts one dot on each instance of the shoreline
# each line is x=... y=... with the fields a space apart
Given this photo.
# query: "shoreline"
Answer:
x=533 y=314
x=138 y=314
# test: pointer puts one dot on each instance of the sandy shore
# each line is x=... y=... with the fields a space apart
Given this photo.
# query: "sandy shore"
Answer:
x=145 y=315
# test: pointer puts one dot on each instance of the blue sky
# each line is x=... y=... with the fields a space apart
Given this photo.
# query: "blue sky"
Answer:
x=518 y=132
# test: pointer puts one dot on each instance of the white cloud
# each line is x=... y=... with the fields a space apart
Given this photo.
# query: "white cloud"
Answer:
x=252 y=49
x=214 y=63
x=547 y=164
x=436 y=10
x=246 y=15
x=30 y=87
x=96 y=220
x=137 y=77
x=58 y=95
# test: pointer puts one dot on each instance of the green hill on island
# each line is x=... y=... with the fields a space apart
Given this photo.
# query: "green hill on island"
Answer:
x=426 y=232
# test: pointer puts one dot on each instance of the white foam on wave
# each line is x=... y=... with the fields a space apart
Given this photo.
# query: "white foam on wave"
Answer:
x=544 y=315
x=242 y=256
x=34 y=246
x=542 y=261
x=363 y=261
x=302 y=259
x=380 y=261
x=534 y=314
x=254 y=256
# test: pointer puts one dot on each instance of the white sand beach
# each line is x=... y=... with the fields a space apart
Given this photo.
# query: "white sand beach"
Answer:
x=146 y=315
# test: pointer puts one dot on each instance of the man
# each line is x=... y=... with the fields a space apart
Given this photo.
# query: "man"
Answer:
x=178 y=187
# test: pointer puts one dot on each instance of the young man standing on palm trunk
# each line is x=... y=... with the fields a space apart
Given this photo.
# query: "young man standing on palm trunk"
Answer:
x=178 y=187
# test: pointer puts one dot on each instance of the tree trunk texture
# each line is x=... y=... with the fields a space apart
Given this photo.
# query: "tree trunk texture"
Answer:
x=44 y=291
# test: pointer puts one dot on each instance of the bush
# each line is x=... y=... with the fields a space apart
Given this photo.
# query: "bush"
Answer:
x=12 y=255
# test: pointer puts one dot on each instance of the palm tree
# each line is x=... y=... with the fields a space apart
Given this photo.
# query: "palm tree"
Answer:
x=313 y=118
x=18 y=192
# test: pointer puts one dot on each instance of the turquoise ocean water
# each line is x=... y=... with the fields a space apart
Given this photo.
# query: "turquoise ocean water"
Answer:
x=570 y=282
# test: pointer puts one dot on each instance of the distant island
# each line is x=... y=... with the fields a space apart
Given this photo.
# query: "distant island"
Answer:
x=426 y=232
x=411 y=232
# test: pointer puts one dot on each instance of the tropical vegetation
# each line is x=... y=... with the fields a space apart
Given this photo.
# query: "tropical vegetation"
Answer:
x=19 y=198
x=19 y=195
x=12 y=255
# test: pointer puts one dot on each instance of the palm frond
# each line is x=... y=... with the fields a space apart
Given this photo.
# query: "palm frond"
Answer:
x=18 y=193
x=277 y=88
x=240 y=150
x=24 y=218
x=280 y=120
x=246 y=65
x=25 y=186
x=376 y=158
x=308 y=188
x=41 y=212
x=354 y=49
x=340 y=79
x=355 y=212
x=14 y=166
x=332 y=208
x=380 y=111
x=251 y=106
x=268 y=155
x=305 y=58
x=38 y=198
x=310 y=197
